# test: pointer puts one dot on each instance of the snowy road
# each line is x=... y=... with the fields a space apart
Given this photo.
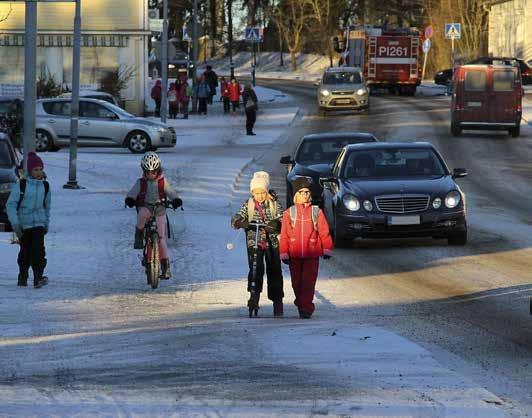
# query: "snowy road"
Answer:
x=411 y=328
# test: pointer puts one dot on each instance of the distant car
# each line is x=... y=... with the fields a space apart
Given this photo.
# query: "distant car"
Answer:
x=315 y=156
x=444 y=77
x=8 y=177
x=100 y=124
x=389 y=190
x=91 y=94
x=342 y=88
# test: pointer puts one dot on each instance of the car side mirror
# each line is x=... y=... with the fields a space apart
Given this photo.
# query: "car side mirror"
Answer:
x=324 y=180
x=286 y=160
x=459 y=172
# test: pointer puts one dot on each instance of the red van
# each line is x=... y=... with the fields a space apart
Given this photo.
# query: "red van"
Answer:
x=486 y=97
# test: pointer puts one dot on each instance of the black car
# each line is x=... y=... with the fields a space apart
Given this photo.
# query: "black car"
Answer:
x=390 y=190
x=444 y=77
x=315 y=156
x=8 y=176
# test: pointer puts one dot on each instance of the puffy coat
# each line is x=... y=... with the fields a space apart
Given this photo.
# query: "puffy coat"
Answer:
x=302 y=240
x=203 y=90
x=153 y=194
x=224 y=89
x=234 y=92
x=32 y=212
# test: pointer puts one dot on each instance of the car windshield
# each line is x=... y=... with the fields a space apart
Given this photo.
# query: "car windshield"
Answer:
x=393 y=162
x=6 y=159
x=323 y=150
x=342 y=78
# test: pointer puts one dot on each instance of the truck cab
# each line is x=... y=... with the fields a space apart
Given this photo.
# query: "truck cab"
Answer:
x=486 y=97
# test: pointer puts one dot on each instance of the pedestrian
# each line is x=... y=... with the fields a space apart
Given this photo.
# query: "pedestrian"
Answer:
x=156 y=95
x=212 y=80
x=148 y=190
x=234 y=95
x=249 y=98
x=184 y=91
x=263 y=207
x=224 y=93
x=28 y=210
x=173 y=102
x=202 y=93
x=304 y=238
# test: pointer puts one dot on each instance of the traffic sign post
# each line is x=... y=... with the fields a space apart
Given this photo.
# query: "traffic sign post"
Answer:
x=429 y=31
x=453 y=31
x=426 y=49
x=253 y=35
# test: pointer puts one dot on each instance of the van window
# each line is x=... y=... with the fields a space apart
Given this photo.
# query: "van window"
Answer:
x=57 y=108
x=503 y=80
x=475 y=81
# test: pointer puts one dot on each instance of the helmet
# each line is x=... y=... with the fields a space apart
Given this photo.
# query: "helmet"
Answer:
x=150 y=161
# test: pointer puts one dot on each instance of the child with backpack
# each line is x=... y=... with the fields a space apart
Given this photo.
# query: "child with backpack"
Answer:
x=263 y=208
x=150 y=189
x=304 y=238
x=28 y=210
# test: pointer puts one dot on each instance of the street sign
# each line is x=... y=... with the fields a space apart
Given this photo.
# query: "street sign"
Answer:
x=186 y=35
x=426 y=45
x=453 y=30
x=253 y=34
x=156 y=25
x=429 y=32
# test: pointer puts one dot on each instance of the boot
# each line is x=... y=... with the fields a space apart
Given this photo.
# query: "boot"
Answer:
x=38 y=279
x=22 y=279
x=139 y=242
x=165 y=267
x=278 y=308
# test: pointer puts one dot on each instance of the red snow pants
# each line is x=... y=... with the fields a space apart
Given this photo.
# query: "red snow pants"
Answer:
x=304 y=272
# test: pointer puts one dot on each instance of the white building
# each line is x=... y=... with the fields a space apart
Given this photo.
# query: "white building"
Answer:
x=114 y=35
x=510 y=28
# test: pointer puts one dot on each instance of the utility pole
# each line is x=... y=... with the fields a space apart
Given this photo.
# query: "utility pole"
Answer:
x=164 y=64
x=230 y=37
x=74 y=116
x=30 y=78
x=195 y=48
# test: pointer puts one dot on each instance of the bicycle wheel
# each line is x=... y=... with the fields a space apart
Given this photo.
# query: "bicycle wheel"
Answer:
x=153 y=266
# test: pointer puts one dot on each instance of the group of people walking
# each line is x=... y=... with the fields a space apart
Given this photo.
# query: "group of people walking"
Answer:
x=231 y=95
x=299 y=236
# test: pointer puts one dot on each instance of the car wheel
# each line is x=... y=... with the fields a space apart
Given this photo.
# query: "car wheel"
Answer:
x=340 y=241
x=138 y=142
x=455 y=129
x=515 y=132
x=458 y=239
x=43 y=141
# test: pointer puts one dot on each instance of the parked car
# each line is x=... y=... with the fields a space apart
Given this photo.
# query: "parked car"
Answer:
x=92 y=94
x=487 y=97
x=342 y=88
x=315 y=156
x=11 y=118
x=389 y=190
x=444 y=77
x=9 y=162
x=100 y=124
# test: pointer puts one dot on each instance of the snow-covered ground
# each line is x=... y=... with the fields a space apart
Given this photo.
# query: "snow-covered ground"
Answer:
x=98 y=341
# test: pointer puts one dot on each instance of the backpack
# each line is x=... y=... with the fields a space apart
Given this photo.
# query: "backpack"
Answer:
x=22 y=185
x=144 y=187
x=315 y=213
x=251 y=208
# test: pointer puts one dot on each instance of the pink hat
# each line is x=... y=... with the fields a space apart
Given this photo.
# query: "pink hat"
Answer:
x=34 y=161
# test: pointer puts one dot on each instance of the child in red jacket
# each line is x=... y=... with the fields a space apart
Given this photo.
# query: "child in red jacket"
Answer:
x=304 y=238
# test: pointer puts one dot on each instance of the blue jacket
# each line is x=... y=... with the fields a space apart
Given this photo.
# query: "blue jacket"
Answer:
x=203 y=90
x=32 y=212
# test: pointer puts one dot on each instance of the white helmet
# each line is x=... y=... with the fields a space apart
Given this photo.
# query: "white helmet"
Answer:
x=150 y=161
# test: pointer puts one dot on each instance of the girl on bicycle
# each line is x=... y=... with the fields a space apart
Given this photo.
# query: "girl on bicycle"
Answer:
x=263 y=208
x=150 y=189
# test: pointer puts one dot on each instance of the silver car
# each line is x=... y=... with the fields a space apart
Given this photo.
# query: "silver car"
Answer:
x=100 y=124
x=342 y=88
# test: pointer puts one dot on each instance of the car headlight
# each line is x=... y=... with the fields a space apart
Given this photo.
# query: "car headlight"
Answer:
x=324 y=93
x=351 y=202
x=436 y=203
x=367 y=205
x=452 y=199
x=361 y=92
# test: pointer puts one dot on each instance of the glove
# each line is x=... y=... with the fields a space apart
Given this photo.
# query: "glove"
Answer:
x=286 y=261
x=17 y=230
x=177 y=202
x=326 y=257
x=273 y=226
x=130 y=202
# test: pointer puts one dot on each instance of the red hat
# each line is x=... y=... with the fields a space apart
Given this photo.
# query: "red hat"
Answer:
x=34 y=161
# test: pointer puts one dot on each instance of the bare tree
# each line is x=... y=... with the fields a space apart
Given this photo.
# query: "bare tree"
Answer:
x=7 y=14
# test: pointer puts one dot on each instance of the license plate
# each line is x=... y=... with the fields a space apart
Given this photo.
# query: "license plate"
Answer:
x=343 y=101
x=404 y=220
x=474 y=104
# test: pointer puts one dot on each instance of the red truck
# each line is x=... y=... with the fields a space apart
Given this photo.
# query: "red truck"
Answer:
x=390 y=57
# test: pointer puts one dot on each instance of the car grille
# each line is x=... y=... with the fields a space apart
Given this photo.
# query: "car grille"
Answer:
x=343 y=93
x=402 y=203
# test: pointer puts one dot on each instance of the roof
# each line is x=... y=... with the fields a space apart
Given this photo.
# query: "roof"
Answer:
x=386 y=145
x=343 y=70
x=338 y=135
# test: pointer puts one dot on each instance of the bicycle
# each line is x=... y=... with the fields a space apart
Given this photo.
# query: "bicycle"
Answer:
x=253 y=303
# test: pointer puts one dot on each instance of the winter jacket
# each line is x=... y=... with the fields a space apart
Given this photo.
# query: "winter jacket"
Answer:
x=272 y=212
x=303 y=240
x=250 y=95
x=211 y=78
x=152 y=192
x=224 y=89
x=182 y=94
x=156 y=91
x=203 y=90
x=173 y=94
x=234 y=92
x=34 y=211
